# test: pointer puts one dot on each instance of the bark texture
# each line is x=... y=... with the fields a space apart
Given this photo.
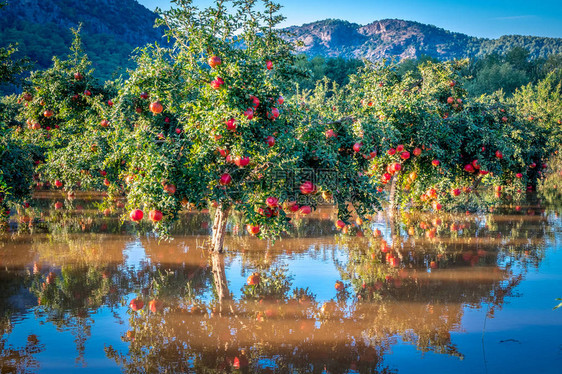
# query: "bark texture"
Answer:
x=219 y=229
x=393 y=206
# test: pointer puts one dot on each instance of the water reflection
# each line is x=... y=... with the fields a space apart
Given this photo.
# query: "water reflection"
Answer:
x=182 y=309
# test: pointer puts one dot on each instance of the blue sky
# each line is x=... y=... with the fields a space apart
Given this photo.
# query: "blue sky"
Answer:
x=490 y=19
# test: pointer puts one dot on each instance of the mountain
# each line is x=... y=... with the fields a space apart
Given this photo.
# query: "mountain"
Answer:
x=111 y=29
x=394 y=38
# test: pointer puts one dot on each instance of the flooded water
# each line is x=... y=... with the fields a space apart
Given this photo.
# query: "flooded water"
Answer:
x=450 y=294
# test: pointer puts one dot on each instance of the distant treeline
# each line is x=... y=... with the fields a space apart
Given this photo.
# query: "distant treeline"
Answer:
x=483 y=75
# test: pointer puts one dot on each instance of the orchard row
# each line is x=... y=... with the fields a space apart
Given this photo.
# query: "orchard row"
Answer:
x=204 y=122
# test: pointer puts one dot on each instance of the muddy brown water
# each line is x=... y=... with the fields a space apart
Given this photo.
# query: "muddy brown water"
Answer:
x=477 y=297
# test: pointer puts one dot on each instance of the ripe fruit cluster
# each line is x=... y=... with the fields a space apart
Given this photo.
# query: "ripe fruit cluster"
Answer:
x=137 y=215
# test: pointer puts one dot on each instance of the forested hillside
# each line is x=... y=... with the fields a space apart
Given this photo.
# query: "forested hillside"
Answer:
x=110 y=30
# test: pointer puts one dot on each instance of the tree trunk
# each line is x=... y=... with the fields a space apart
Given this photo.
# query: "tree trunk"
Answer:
x=476 y=182
x=219 y=276
x=393 y=211
x=393 y=206
x=393 y=223
x=219 y=228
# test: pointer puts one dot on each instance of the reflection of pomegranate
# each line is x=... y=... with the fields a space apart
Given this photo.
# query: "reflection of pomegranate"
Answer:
x=51 y=278
x=136 y=304
x=240 y=362
x=254 y=279
x=155 y=305
x=384 y=247
x=131 y=335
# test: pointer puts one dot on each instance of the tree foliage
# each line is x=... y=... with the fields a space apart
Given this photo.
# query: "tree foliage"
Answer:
x=224 y=117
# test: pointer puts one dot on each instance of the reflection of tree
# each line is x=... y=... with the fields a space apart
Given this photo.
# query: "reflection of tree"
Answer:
x=87 y=279
x=412 y=288
x=20 y=360
x=13 y=301
x=71 y=216
x=423 y=281
x=550 y=186
x=289 y=335
x=90 y=274
x=219 y=276
x=268 y=323
x=176 y=268
x=295 y=333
